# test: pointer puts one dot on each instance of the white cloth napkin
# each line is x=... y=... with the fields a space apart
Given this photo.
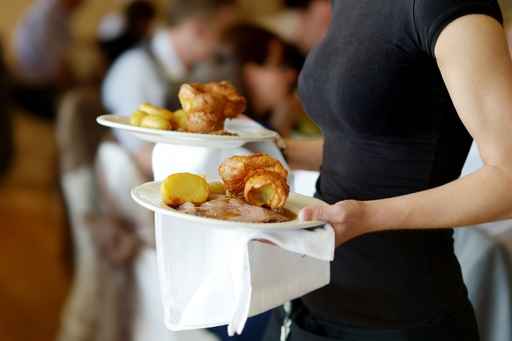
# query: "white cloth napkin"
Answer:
x=217 y=276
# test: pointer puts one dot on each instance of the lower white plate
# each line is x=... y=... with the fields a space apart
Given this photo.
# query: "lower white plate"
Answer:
x=247 y=131
x=148 y=195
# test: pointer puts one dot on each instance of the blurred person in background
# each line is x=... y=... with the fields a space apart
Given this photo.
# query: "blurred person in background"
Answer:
x=40 y=49
x=78 y=137
x=118 y=33
x=269 y=67
x=304 y=23
x=314 y=18
x=100 y=303
x=154 y=71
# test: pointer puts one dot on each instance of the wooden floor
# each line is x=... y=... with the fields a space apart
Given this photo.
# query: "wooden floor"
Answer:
x=34 y=275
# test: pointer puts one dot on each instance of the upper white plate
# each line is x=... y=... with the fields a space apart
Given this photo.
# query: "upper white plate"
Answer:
x=148 y=195
x=246 y=130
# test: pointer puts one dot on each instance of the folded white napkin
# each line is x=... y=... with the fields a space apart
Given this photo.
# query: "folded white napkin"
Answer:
x=216 y=276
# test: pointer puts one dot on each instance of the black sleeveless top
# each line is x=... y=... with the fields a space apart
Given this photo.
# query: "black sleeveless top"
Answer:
x=390 y=128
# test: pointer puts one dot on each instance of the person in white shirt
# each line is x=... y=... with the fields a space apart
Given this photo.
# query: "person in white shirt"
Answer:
x=153 y=72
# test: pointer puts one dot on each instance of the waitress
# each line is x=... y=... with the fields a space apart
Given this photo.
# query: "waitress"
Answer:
x=399 y=89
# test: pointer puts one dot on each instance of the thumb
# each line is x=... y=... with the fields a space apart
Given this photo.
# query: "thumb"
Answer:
x=313 y=213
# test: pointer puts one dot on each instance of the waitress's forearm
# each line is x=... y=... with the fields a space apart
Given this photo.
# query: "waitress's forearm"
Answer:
x=483 y=196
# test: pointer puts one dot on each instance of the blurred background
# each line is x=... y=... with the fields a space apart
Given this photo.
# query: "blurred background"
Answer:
x=54 y=57
x=68 y=266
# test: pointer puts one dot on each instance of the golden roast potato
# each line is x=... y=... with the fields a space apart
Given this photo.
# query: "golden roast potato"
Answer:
x=180 y=188
x=217 y=187
x=137 y=117
x=155 y=122
x=179 y=120
x=157 y=111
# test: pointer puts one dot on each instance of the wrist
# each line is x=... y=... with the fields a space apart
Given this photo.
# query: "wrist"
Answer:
x=386 y=214
x=371 y=221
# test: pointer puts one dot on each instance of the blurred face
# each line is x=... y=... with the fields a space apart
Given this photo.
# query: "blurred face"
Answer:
x=270 y=84
x=203 y=40
x=205 y=32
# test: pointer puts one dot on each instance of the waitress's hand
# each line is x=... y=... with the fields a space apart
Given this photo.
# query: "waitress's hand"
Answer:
x=346 y=217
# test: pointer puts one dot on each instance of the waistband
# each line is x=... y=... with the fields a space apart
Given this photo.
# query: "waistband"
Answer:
x=456 y=325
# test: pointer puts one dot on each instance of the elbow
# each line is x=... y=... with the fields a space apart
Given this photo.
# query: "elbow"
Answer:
x=501 y=174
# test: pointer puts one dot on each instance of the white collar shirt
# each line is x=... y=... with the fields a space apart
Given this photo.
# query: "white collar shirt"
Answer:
x=134 y=79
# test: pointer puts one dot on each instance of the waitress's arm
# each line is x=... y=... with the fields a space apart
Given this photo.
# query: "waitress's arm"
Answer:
x=473 y=57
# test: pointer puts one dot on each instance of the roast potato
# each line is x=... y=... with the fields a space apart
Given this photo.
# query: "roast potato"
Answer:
x=180 y=188
x=156 y=111
x=137 y=117
x=179 y=120
x=217 y=187
x=155 y=122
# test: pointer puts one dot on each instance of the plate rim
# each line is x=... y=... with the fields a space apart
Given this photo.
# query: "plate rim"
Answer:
x=218 y=223
x=104 y=120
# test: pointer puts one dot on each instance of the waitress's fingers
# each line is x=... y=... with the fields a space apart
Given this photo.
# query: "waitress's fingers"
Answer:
x=346 y=217
x=345 y=212
x=327 y=213
x=307 y=213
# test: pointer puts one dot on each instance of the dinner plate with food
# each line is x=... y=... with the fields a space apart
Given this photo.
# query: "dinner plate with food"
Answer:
x=253 y=193
x=209 y=117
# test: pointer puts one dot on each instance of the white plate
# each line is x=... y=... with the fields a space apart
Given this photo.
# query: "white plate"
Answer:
x=246 y=130
x=148 y=196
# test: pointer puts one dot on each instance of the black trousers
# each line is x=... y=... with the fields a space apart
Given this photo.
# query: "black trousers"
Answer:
x=449 y=327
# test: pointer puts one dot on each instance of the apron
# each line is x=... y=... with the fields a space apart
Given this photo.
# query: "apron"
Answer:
x=297 y=324
x=172 y=87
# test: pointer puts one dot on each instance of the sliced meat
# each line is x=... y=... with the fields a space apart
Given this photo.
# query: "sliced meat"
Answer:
x=234 y=209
